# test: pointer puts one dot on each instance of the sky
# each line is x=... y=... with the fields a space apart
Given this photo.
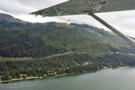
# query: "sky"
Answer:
x=124 y=21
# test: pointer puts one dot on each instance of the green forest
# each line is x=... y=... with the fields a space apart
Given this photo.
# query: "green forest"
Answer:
x=51 y=49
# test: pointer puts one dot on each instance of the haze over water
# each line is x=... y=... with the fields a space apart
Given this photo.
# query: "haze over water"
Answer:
x=110 y=79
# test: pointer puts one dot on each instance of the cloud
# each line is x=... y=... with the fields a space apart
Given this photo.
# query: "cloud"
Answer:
x=14 y=7
x=40 y=3
x=26 y=6
x=124 y=21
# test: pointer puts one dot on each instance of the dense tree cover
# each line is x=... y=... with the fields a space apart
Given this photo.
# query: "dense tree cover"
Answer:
x=72 y=63
x=39 y=40
x=26 y=46
x=91 y=49
x=17 y=43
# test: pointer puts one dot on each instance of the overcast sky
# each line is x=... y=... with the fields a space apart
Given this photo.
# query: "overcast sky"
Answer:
x=124 y=21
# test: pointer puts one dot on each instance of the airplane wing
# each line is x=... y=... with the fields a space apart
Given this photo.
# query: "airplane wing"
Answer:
x=73 y=7
x=67 y=8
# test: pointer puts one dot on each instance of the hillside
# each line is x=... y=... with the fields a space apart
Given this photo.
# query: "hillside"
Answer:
x=39 y=40
x=8 y=18
x=41 y=50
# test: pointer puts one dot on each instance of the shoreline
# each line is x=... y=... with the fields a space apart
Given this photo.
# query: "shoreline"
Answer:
x=34 y=78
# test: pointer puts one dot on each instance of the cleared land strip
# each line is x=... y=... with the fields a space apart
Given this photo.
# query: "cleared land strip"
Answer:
x=60 y=54
x=4 y=59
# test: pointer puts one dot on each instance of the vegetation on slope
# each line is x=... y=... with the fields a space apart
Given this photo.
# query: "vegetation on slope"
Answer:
x=40 y=40
x=64 y=64
x=41 y=50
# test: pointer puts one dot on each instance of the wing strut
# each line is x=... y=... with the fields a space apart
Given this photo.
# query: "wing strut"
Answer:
x=127 y=39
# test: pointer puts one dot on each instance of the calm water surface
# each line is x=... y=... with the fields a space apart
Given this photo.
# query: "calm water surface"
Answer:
x=110 y=79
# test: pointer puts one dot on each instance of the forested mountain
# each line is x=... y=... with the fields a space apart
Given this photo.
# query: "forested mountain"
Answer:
x=39 y=40
x=32 y=50
x=8 y=18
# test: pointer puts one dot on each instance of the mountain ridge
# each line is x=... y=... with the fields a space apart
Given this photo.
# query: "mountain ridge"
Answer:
x=9 y=18
x=51 y=49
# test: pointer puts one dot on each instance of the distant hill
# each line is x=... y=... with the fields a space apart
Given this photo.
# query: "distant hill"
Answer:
x=50 y=49
x=9 y=18
x=39 y=40
x=19 y=39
